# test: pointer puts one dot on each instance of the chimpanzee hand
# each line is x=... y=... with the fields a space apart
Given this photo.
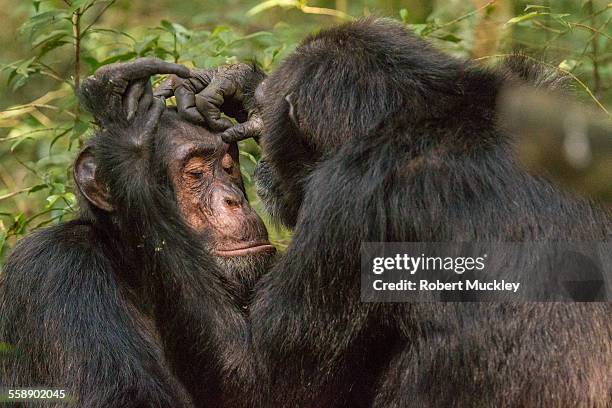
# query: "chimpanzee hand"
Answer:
x=119 y=95
x=207 y=93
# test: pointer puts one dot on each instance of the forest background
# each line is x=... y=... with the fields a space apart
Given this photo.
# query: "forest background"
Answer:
x=49 y=46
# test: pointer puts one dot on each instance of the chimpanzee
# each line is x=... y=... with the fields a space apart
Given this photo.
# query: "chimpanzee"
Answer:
x=140 y=301
x=370 y=134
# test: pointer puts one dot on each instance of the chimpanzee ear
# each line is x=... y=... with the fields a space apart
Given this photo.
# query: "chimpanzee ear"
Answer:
x=85 y=177
x=292 y=110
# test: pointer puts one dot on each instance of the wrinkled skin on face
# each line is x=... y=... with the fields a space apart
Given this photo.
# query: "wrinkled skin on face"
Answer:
x=205 y=175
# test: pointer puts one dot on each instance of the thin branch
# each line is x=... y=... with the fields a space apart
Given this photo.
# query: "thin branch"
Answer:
x=76 y=29
x=52 y=73
x=574 y=77
x=27 y=167
x=40 y=214
x=50 y=220
x=463 y=17
x=545 y=27
x=87 y=7
x=588 y=43
x=595 y=52
x=557 y=36
x=24 y=134
x=594 y=30
x=14 y=193
x=95 y=20
x=42 y=105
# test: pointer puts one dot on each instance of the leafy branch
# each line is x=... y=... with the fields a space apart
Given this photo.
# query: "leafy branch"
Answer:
x=574 y=77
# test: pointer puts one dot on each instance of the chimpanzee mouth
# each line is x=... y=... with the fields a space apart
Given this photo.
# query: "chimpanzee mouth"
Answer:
x=246 y=248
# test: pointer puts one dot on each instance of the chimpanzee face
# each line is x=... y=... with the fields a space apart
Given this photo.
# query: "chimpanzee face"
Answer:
x=205 y=174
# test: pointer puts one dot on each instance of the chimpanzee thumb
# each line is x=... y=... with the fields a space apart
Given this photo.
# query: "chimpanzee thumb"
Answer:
x=251 y=128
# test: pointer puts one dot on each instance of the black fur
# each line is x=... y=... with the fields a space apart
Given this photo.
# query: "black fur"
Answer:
x=123 y=309
x=391 y=140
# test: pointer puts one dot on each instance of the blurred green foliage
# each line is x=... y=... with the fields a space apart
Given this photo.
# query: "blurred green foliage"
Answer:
x=49 y=45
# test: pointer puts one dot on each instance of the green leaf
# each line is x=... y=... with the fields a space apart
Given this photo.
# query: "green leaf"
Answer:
x=51 y=200
x=50 y=46
x=525 y=17
x=147 y=44
x=404 y=15
x=126 y=56
x=248 y=156
x=560 y=18
x=218 y=30
x=18 y=142
x=38 y=187
x=20 y=223
x=166 y=25
x=568 y=65
x=266 y=5
x=18 y=82
x=91 y=62
x=535 y=7
x=49 y=36
x=24 y=67
x=421 y=29
x=245 y=175
x=58 y=188
x=70 y=199
x=108 y=31
x=58 y=137
x=254 y=36
x=43 y=21
x=449 y=37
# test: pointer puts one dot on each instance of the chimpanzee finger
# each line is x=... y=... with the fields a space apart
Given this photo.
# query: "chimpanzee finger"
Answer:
x=209 y=103
x=146 y=100
x=146 y=67
x=157 y=108
x=165 y=88
x=132 y=97
x=201 y=78
x=140 y=68
x=185 y=104
x=208 y=107
x=251 y=128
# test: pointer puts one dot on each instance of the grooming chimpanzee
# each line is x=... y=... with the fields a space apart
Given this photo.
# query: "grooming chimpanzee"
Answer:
x=137 y=302
x=370 y=134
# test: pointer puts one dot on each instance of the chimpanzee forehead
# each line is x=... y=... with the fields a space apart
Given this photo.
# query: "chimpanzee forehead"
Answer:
x=176 y=134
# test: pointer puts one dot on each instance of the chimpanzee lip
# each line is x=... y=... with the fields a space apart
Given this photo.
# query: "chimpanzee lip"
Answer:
x=246 y=249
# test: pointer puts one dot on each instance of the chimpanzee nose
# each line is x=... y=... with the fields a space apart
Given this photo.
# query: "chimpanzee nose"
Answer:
x=228 y=198
x=233 y=202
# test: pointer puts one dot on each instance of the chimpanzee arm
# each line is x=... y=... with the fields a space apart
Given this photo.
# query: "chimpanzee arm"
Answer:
x=202 y=330
x=71 y=325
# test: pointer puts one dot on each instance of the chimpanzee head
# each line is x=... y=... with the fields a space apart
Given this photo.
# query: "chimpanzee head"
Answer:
x=202 y=173
x=339 y=86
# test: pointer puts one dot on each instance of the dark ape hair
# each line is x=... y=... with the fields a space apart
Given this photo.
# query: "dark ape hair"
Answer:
x=391 y=140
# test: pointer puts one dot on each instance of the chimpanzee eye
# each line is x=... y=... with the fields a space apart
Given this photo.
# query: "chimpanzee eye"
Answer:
x=196 y=174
